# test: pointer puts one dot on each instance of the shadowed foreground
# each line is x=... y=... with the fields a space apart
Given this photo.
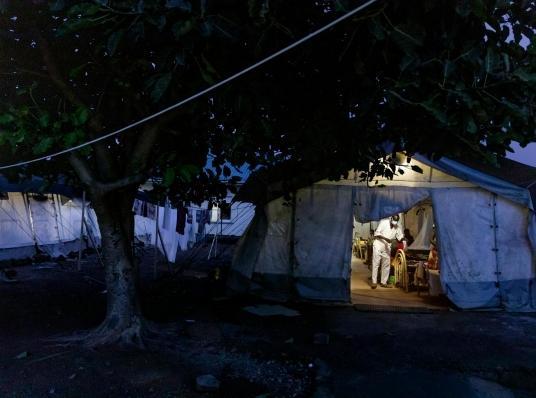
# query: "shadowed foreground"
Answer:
x=365 y=354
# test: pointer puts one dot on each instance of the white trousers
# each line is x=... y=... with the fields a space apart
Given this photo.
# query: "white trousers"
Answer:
x=381 y=255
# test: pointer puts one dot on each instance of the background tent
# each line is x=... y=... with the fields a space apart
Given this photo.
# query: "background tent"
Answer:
x=301 y=247
x=49 y=223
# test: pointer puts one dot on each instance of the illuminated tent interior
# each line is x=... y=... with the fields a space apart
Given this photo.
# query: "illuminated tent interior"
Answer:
x=484 y=220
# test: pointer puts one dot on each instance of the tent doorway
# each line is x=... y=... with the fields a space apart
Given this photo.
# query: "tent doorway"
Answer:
x=414 y=285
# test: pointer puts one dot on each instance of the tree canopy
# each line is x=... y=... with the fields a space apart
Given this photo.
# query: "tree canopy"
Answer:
x=434 y=77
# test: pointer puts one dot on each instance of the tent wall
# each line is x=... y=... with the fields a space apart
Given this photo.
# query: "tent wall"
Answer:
x=323 y=242
x=52 y=224
x=486 y=256
x=300 y=249
x=500 y=187
x=484 y=246
x=466 y=242
x=15 y=227
x=261 y=263
x=44 y=220
x=515 y=257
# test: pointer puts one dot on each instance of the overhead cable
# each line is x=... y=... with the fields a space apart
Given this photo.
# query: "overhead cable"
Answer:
x=198 y=94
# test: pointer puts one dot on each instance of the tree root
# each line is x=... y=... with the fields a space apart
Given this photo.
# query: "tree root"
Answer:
x=137 y=333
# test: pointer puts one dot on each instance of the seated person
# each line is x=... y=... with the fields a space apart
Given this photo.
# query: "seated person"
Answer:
x=433 y=258
x=408 y=237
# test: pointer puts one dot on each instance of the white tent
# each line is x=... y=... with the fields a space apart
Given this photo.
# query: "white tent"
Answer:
x=181 y=229
x=485 y=225
x=50 y=222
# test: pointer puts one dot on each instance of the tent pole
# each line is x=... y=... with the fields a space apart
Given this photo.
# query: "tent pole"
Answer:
x=101 y=261
x=30 y=219
x=292 y=250
x=496 y=248
x=155 y=260
x=214 y=238
x=159 y=235
x=79 y=262
x=56 y=205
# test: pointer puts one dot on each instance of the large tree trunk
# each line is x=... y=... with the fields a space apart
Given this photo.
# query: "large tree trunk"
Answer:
x=124 y=323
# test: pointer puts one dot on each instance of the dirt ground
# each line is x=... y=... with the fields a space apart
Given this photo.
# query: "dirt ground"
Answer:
x=325 y=351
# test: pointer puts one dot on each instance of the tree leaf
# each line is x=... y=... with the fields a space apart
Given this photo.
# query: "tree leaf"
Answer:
x=160 y=86
x=169 y=177
x=377 y=29
x=182 y=5
x=73 y=138
x=85 y=9
x=73 y=25
x=209 y=66
x=492 y=62
x=525 y=76
x=136 y=32
x=80 y=116
x=478 y=8
x=44 y=120
x=188 y=172
x=438 y=113
x=75 y=72
x=416 y=168
x=159 y=22
x=463 y=8
x=113 y=41
x=6 y=118
x=181 y=28
x=57 y=5
x=471 y=126
x=43 y=146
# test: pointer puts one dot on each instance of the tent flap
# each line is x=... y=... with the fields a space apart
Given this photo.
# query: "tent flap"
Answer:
x=323 y=241
x=373 y=204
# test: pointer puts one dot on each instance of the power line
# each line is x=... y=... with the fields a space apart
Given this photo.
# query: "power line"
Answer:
x=200 y=93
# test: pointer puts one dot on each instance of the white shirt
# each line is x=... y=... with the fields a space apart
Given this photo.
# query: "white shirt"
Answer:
x=384 y=229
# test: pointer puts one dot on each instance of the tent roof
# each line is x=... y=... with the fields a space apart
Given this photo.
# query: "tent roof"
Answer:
x=266 y=185
x=508 y=170
x=38 y=185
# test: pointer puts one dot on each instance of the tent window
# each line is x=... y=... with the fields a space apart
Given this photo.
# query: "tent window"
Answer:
x=4 y=196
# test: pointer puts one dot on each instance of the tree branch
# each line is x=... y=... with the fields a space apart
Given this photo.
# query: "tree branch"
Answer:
x=129 y=181
x=144 y=145
x=55 y=74
x=82 y=170
x=96 y=187
x=27 y=72
x=105 y=162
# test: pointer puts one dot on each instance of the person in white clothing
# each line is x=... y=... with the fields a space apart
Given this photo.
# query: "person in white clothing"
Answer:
x=388 y=229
